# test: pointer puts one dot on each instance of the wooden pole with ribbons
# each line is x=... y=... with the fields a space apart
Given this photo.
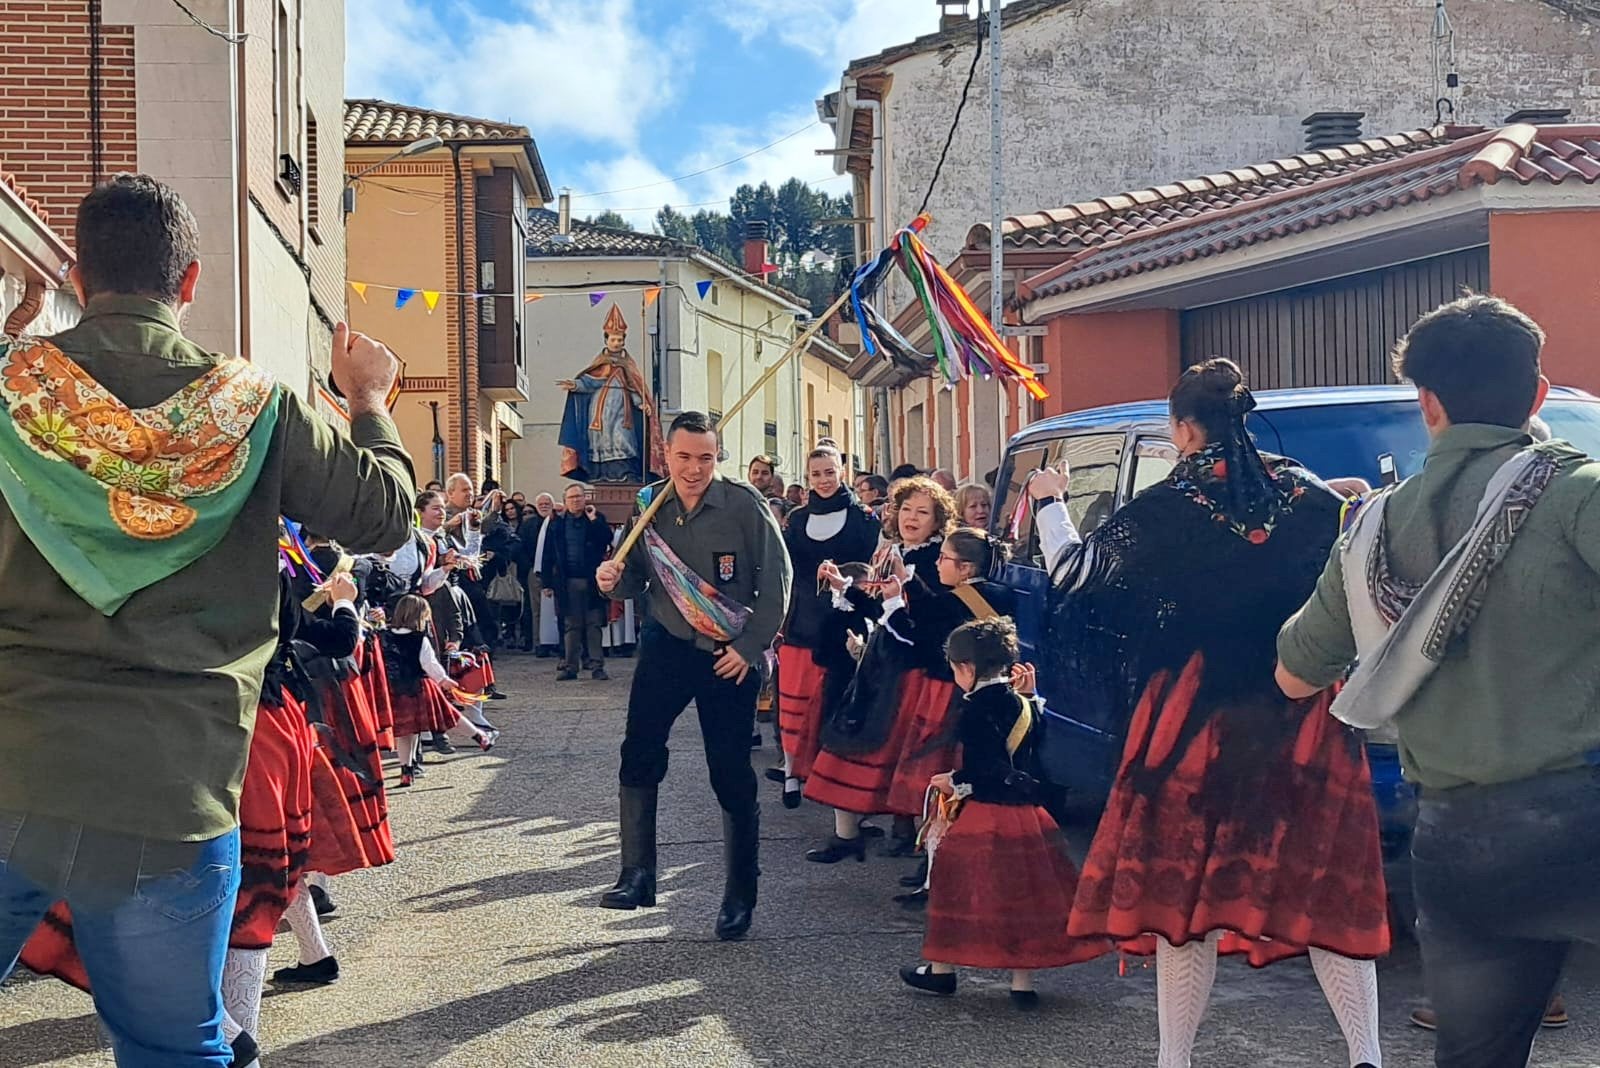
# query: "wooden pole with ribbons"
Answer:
x=799 y=343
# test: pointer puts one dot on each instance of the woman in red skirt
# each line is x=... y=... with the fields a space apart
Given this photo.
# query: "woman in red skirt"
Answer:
x=1239 y=819
x=832 y=527
x=893 y=730
x=1001 y=877
x=418 y=684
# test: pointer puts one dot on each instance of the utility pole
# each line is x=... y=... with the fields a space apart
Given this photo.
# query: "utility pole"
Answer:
x=997 y=182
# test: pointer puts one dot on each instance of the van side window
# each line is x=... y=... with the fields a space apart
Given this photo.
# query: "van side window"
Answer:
x=1153 y=461
x=1095 y=460
x=1009 y=493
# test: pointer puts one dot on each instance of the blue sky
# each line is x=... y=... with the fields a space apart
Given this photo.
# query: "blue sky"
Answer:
x=626 y=95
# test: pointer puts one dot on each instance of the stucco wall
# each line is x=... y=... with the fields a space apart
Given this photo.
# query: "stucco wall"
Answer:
x=563 y=334
x=828 y=396
x=1109 y=95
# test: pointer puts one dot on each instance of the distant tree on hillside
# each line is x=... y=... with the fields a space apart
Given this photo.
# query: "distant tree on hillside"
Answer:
x=611 y=219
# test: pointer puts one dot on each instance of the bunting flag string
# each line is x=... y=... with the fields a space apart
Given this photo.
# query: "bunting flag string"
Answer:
x=964 y=341
x=431 y=297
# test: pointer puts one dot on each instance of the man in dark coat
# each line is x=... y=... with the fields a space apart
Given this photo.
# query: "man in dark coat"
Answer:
x=532 y=536
x=575 y=545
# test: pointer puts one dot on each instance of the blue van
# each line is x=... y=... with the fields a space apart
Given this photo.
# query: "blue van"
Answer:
x=1115 y=452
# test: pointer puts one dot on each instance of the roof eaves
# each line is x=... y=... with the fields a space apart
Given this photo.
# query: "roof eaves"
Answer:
x=1016 y=11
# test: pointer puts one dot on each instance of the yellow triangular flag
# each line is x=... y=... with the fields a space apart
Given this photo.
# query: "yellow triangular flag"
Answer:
x=432 y=297
x=361 y=290
x=651 y=294
x=529 y=298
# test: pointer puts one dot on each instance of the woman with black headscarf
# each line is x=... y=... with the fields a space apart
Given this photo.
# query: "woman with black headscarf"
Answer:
x=1239 y=819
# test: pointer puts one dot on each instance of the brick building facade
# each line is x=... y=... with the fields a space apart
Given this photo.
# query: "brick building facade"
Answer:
x=238 y=111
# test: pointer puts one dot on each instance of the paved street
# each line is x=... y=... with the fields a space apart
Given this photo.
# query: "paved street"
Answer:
x=481 y=945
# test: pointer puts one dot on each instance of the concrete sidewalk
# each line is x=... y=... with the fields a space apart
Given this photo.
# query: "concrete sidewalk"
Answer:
x=482 y=945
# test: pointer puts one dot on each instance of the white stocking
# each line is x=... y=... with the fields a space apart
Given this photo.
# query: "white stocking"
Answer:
x=1351 y=987
x=302 y=917
x=846 y=825
x=406 y=748
x=473 y=714
x=1184 y=975
x=243 y=973
x=230 y=1026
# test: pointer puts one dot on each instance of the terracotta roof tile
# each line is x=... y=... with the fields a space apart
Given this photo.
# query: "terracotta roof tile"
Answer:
x=1097 y=222
x=1330 y=188
x=385 y=123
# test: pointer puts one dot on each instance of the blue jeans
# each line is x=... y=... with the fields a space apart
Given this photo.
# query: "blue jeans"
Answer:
x=1505 y=881
x=150 y=920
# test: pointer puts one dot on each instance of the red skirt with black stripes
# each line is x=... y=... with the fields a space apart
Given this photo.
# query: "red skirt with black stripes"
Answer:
x=1279 y=851
x=426 y=710
x=375 y=678
x=800 y=687
x=275 y=821
x=358 y=765
x=999 y=885
x=867 y=783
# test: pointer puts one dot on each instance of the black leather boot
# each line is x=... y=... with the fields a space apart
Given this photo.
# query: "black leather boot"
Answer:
x=741 y=845
x=636 y=886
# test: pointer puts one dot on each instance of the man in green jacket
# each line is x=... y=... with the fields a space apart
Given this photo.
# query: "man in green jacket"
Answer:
x=1489 y=672
x=717 y=575
x=141 y=480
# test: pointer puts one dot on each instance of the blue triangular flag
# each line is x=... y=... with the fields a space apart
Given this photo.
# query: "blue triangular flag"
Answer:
x=704 y=288
x=402 y=296
x=596 y=298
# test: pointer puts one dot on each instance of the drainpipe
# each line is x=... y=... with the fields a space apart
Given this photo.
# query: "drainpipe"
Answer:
x=880 y=223
x=461 y=307
x=241 y=187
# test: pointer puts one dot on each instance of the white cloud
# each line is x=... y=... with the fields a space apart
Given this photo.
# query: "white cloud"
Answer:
x=559 y=68
x=794 y=158
x=835 y=31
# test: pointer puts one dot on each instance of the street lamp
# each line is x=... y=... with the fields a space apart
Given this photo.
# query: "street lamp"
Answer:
x=415 y=148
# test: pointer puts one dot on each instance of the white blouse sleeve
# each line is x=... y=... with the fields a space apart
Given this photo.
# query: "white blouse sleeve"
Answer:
x=431 y=666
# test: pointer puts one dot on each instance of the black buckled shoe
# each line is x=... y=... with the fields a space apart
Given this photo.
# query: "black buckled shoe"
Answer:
x=916 y=878
x=322 y=973
x=925 y=979
x=320 y=900
x=246 y=1052
x=636 y=888
x=837 y=849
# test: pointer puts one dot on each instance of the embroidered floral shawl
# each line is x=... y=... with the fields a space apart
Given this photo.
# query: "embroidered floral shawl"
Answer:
x=118 y=498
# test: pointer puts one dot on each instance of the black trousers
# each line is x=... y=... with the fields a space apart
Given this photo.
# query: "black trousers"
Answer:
x=1507 y=879
x=670 y=673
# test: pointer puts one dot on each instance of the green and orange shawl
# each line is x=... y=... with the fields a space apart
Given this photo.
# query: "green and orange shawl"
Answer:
x=117 y=498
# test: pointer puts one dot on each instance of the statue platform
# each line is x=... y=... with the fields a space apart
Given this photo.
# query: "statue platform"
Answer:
x=615 y=500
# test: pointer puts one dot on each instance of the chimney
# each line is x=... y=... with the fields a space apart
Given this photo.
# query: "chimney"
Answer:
x=1331 y=129
x=564 y=213
x=755 y=247
x=952 y=15
x=1539 y=116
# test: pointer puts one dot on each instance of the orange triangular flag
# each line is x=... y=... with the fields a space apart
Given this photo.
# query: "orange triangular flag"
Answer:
x=529 y=298
x=432 y=297
x=651 y=294
x=361 y=290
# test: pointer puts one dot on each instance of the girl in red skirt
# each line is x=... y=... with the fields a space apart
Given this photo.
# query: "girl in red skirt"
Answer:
x=893 y=730
x=418 y=684
x=1239 y=819
x=1001 y=878
x=832 y=527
